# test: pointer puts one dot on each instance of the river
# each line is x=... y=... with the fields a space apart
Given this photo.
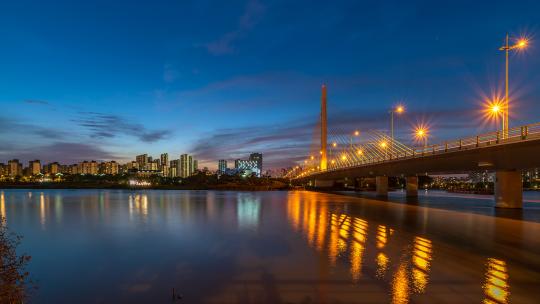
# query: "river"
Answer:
x=112 y=246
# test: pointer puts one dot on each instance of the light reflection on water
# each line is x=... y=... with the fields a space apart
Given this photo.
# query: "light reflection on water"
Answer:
x=496 y=286
x=270 y=247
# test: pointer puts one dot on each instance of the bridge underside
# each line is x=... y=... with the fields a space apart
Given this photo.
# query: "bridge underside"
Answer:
x=506 y=160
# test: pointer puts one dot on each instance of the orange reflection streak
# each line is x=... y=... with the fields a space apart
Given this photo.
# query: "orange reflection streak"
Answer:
x=344 y=233
x=382 y=264
x=305 y=218
x=382 y=259
x=357 y=248
x=334 y=236
x=400 y=286
x=381 y=237
x=2 y=205
x=422 y=255
x=296 y=214
x=321 y=231
x=42 y=209
x=496 y=288
x=311 y=223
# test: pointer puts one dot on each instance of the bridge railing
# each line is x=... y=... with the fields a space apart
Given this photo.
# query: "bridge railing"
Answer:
x=474 y=142
x=483 y=140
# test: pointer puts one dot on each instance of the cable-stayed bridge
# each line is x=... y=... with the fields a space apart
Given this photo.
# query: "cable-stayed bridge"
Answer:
x=347 y=159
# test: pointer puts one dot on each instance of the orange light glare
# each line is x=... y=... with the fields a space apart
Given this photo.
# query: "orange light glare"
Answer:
x=400 y=109
x=421 y=132
x=334 y=144
x=522 y=43
x=356 y=133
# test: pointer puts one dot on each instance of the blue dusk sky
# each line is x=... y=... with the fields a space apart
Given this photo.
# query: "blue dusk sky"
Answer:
x=82 y=80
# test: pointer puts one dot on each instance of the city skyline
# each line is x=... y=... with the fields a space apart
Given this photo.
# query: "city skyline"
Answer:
x=109 y=86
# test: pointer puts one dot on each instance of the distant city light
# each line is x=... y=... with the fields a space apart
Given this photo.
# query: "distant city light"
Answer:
x=138 y=183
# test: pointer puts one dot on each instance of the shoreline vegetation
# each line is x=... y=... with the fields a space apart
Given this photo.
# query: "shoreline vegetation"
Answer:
x=195 y=182
x=15 y=281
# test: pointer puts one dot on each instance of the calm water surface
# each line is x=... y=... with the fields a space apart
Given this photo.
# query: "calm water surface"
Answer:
x=97 y=246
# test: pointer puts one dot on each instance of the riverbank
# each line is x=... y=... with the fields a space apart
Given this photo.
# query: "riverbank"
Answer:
x=227 y=187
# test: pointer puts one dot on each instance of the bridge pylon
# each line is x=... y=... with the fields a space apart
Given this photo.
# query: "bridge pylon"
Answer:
x=324 y=160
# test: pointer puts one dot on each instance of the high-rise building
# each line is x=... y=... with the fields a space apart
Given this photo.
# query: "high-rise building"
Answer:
x=88 y=167
x=195 y=166
x=132 y=165
x=186 y=165
x=142 y=160
x=237 y=163
x=257 y=157
x=14 y=167
x=110 y=168
x=164 y=159
x=52 y=168
x=222 y=166
x=174 y=168
x=3 y=169
x=34 y=167
x=165 y=170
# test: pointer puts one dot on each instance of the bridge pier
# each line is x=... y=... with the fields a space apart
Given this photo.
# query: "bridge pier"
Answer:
x=411 y=186
x=318 y=183
x=381 y=183
x=508 y=189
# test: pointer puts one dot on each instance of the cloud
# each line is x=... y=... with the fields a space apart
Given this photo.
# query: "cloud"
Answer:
x=285 y=144
x=63 y=152
x=224 y=45
x=36 y=102
x=108 y=125
x=10 y=126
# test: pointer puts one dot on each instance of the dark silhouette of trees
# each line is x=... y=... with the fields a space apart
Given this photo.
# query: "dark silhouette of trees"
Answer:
x=14 y=279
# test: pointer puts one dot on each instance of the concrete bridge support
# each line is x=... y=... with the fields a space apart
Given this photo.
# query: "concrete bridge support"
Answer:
x=411 y=186
x=323 y=183
x=508 y=189
x=381 y=183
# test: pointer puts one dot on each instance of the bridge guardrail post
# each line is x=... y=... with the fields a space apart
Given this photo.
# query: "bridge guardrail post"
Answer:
x=460 y=144
x=524 y=131
x=477 y=141
x=497 y=141
x=445 y=146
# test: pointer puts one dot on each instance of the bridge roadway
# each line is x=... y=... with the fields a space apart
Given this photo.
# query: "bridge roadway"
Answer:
x=519 y=149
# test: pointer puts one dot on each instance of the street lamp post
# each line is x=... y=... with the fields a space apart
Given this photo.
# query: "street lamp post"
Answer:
x=521 y=44
x=356 y=133
x=399 y=109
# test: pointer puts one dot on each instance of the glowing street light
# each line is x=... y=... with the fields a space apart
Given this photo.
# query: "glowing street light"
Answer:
x=521 y=44
x=334 y=144
x=495 y=109
x=421 y=133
